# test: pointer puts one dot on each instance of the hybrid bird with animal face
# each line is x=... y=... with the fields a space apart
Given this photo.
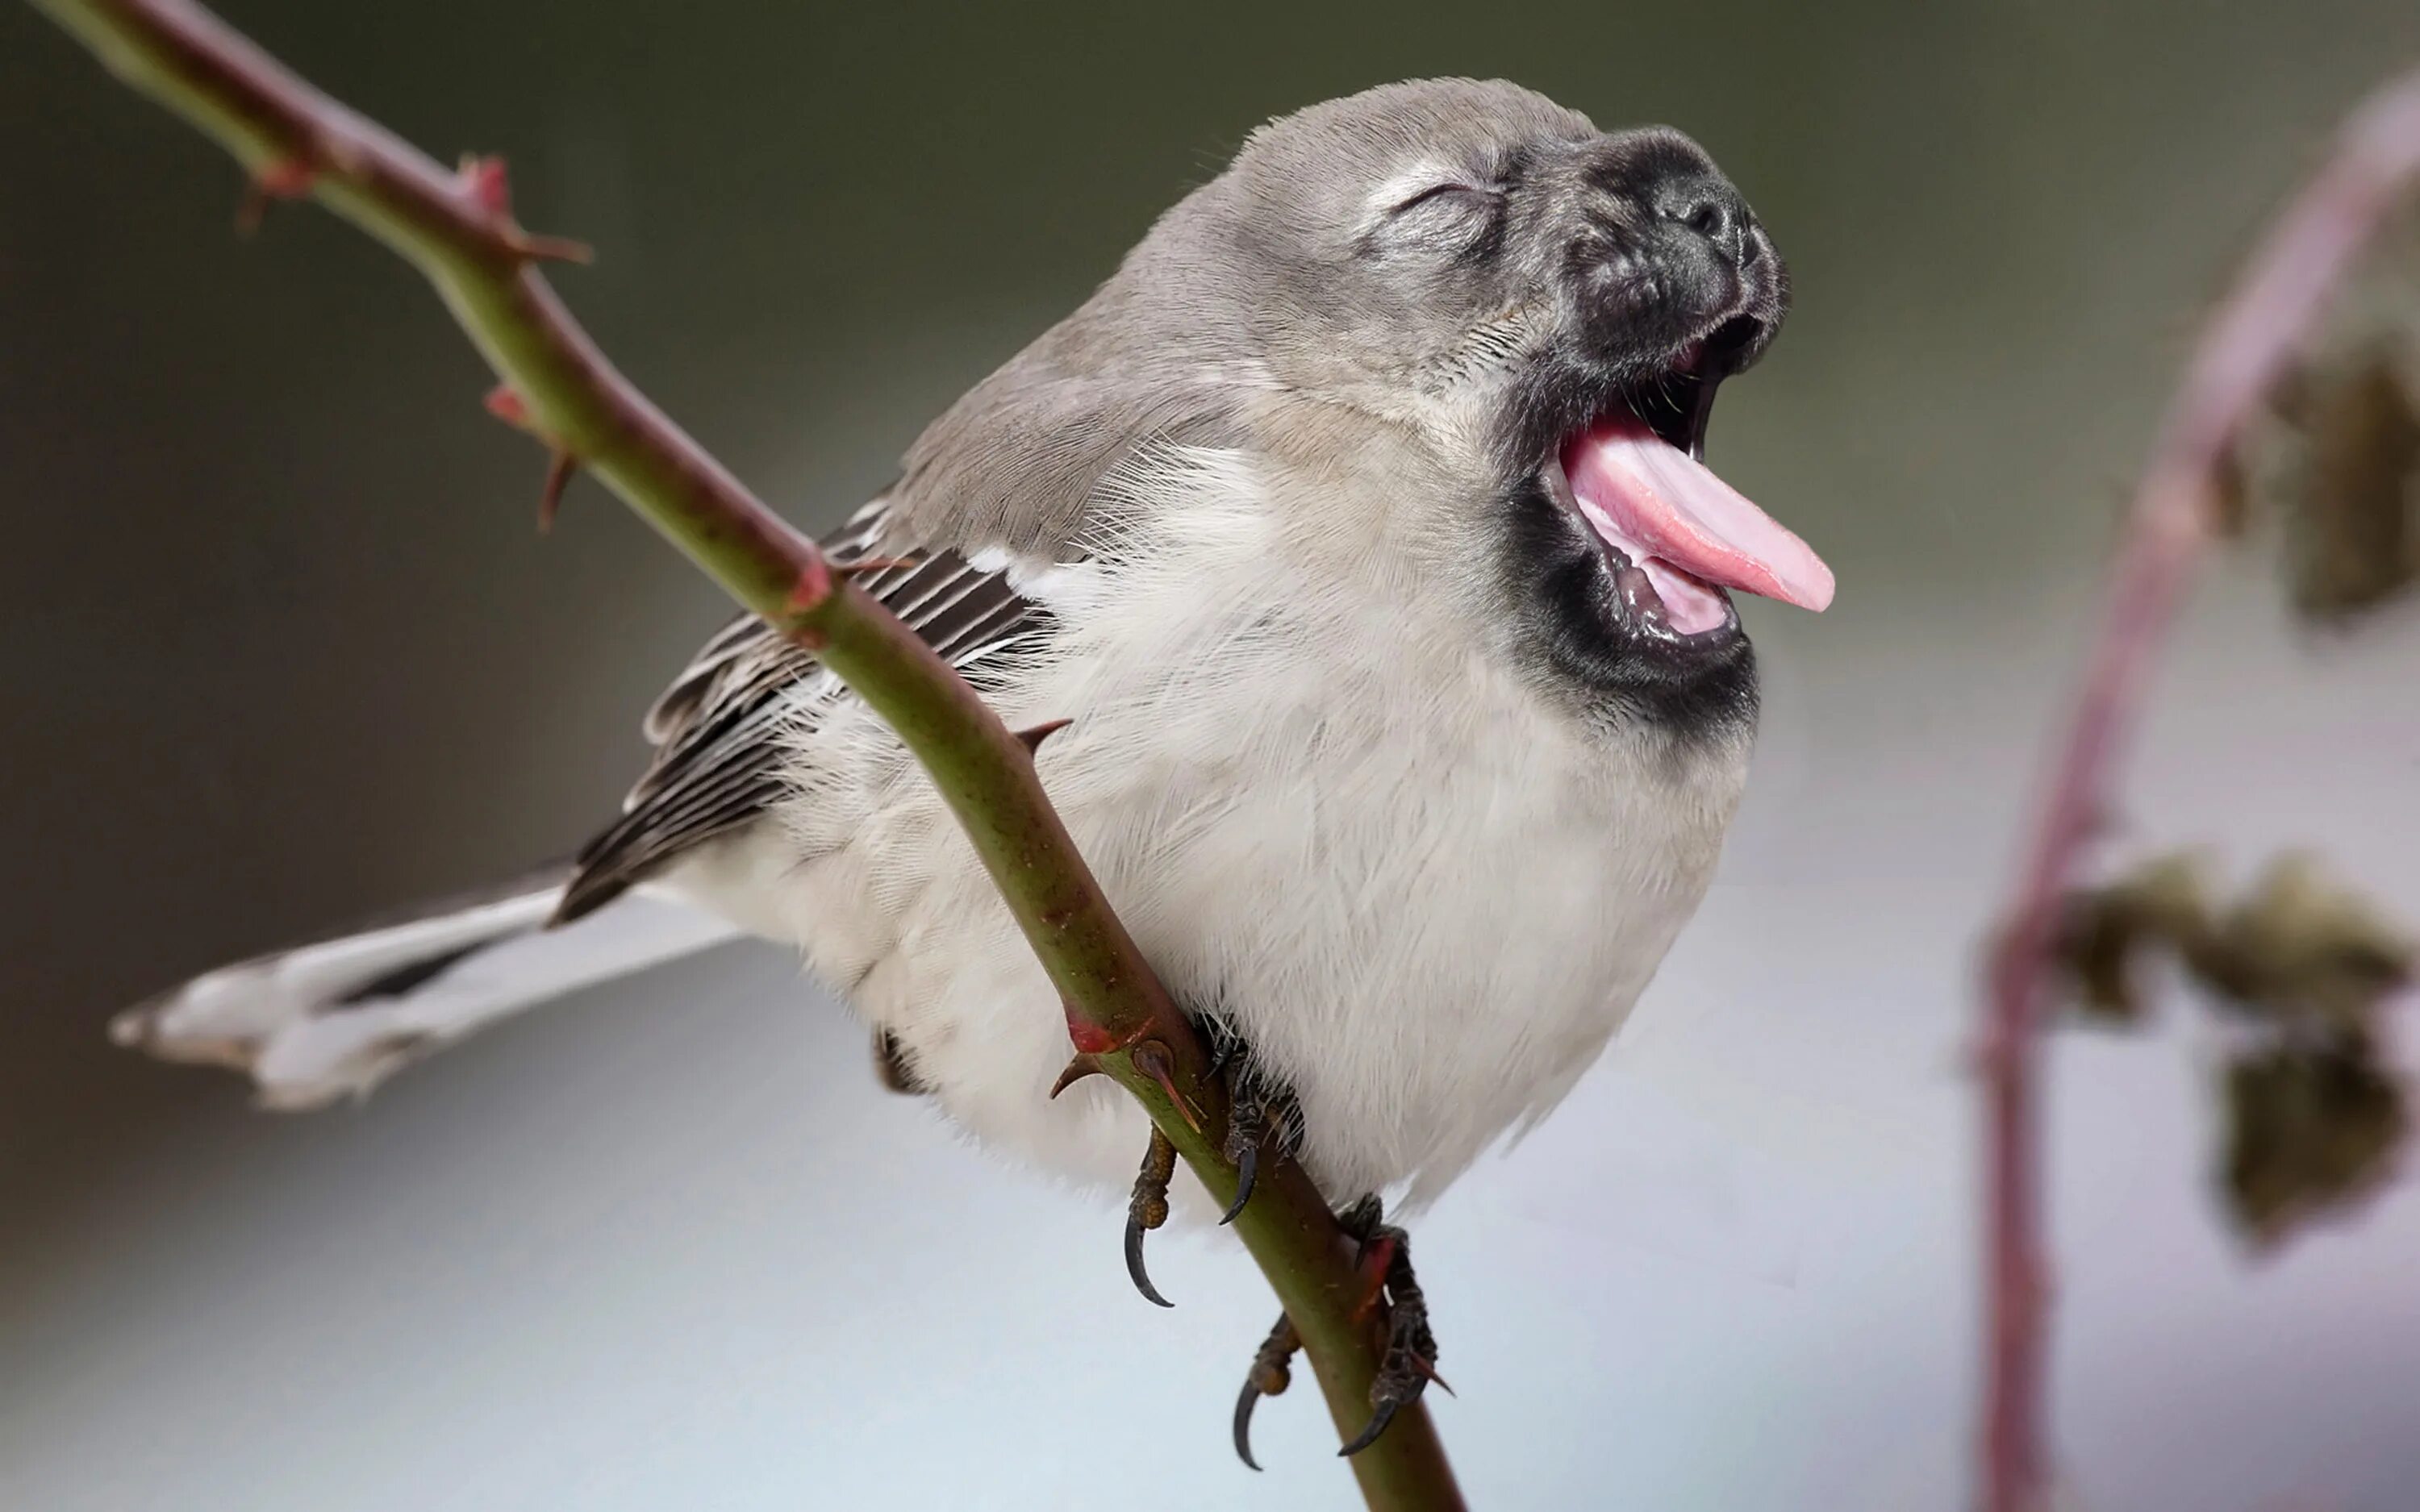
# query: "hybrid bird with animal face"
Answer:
x=1360 y=524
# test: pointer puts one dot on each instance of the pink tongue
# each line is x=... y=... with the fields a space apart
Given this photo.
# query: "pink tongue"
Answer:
x=1665 y=509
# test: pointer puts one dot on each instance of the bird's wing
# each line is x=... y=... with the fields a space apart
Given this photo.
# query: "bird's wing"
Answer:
x=718 y=729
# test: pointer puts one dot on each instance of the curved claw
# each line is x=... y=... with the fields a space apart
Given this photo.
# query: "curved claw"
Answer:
x=1367 y=1436
x=1249 y=1398
x=1270 y=1375
x=1247 y=1167
x=1134 y=1265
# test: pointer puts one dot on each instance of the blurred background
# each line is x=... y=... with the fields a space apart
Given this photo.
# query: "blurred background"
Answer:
x=283 y=648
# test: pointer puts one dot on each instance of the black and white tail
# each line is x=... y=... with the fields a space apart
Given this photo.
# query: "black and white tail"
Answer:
x=316 y=1024
x=325 y=1021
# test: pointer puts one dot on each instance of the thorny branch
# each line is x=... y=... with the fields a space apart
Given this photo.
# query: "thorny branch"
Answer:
x=458 y=230
x=2249 y=345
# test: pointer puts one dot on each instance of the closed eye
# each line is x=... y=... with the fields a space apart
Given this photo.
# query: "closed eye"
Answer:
x=1486 y=194
x=1436 y=211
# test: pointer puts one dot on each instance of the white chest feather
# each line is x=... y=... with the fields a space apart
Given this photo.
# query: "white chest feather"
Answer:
x=1424 y=896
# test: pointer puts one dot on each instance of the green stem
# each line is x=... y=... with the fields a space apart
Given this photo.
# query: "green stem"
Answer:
x=458 y=230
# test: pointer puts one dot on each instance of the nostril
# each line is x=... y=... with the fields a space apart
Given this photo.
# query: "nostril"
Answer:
x=1706 y=210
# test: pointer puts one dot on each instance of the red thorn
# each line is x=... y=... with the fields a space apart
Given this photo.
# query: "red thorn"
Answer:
x=506 y=406
x=813 y=587
x=1077 y=1068
x=280 y=179
x=485 y=180
x=538 y=249
x=286 y=178
x=558 y=475
x=1375 y=1260
x=1150 y=1058
x=1034 y=737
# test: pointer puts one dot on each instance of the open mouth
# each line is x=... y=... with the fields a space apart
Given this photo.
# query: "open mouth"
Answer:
x=1674 y=536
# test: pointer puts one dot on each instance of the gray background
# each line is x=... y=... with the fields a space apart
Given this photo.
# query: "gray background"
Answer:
x=283 y=648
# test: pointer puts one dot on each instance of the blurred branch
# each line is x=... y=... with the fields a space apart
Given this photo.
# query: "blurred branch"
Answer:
x=458 y=230
x=2248 y=346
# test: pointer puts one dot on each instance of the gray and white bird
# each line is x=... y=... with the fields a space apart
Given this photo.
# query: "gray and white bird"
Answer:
x=1358 y=525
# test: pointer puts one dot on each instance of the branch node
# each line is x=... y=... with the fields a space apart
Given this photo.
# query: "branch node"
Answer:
x=1088 y=1038
x=506 y=402
x=809 y=592
x=287 y=178
x=1152 y=1058
x=485 y=180
x=345 y=157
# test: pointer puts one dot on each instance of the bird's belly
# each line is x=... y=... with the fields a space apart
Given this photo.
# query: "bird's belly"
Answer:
x=1427 y=932
x=1428 y=952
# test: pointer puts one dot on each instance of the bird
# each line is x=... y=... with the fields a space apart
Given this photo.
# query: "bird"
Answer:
x=1357 y=535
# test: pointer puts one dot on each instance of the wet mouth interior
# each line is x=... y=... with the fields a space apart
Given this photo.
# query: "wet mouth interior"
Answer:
x=1677 y=403
x=1675 y=536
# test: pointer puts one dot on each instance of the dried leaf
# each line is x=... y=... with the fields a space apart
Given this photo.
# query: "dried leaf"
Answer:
x=2312 y=1118
x=2300 y=948
x=2107 y=929
x=2352 y=540
x=2311 y=1130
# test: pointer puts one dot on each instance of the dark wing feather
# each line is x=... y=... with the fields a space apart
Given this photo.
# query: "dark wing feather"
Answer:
x=718 y=729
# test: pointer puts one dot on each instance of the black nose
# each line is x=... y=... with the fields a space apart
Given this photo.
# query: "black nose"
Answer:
x=1709 y=206
x=1666 y=255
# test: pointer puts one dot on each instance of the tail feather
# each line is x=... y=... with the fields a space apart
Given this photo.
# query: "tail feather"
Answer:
x=331 y=1020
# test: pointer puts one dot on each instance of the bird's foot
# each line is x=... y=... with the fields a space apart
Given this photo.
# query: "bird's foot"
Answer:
x=1263 y=1124
x=1409 y=1363
x=1264 y=1120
